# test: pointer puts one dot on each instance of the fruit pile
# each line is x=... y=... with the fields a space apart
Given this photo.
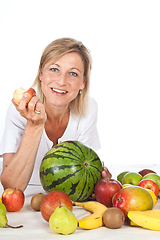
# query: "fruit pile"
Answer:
x=145 y=178
x=117 y=202
x=76 y=171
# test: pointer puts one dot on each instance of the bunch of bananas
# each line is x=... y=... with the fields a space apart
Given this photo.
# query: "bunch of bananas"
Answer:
x=147 y=219
x=95 y=219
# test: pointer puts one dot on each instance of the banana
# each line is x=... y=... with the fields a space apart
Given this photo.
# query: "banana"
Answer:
x=95 y=219
x=146 y=219
x=154 y=211
x=133 y=224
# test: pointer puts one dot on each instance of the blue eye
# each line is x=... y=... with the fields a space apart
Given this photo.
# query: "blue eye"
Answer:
x=73 y=74
x=54 y=69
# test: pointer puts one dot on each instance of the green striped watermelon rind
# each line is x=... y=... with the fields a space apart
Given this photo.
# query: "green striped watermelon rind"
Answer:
x=77 y=177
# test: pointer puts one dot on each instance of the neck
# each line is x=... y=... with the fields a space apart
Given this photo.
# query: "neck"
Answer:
x=55 y=113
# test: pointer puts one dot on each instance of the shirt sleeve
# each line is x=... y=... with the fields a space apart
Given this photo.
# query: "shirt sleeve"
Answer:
x=88 y=133
x=14 y=128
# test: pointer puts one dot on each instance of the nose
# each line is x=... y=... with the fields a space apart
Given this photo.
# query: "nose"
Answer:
x=62 y=79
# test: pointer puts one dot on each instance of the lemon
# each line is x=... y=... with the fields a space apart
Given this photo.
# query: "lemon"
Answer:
x=0 y=200
x=154 y=198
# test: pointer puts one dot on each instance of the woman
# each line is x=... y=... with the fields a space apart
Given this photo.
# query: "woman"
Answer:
x=61 y=111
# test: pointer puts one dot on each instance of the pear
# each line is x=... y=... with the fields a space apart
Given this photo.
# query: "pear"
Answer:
x=3 y=220
x=2 y=208
x=63 y=221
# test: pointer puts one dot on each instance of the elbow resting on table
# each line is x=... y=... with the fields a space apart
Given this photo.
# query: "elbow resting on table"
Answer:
x=10 y=183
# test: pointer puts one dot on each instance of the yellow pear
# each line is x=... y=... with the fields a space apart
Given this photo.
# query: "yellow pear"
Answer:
x=63 y=221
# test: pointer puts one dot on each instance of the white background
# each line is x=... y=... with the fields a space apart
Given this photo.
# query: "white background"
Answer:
x=124 y=40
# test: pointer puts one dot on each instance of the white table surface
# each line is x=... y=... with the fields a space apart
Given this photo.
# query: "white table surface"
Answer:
x=35 y=227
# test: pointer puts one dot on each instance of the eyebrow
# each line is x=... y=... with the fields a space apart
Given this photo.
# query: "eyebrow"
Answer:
x=71 y=68
x=76 y=69
x=55 y=64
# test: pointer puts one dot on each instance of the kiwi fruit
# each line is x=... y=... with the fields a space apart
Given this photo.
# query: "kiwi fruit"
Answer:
x=36 y=201
x=113 y=218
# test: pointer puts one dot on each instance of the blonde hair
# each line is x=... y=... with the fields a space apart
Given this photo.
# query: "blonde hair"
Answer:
x=55 y=50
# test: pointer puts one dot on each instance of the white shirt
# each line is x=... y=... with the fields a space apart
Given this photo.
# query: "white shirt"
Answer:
x=79 y=128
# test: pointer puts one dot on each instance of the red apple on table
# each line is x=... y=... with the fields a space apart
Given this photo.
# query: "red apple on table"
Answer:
x=105 y=189
x=146 y=171
x=51 y=201
x=13 y=199
x=18 y=94
x=149 y=184
x=155 y=178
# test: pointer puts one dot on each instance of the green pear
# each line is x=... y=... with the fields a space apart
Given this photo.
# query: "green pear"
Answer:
x=63 y=221
x=3 y=220
x=2 y=208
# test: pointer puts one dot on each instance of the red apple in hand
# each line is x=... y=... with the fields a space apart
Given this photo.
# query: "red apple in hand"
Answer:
x=145 y=171
x=51 y=201
x=149 y=184
x=18 y=94
x=105 y=189
x=13 y=199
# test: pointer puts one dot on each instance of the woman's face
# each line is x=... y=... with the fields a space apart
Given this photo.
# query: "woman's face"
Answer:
x=61 y=80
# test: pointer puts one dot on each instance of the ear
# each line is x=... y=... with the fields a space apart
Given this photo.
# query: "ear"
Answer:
x=41 y=75
x=83 y=84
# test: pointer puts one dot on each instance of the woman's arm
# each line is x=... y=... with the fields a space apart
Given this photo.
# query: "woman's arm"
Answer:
x=18 y=166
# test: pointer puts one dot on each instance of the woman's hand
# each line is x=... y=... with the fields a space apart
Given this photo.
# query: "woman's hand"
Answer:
x=34 y=111
x=18 y=162
x=105 y=173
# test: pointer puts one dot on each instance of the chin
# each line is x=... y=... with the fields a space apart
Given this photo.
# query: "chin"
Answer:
x=61 y=101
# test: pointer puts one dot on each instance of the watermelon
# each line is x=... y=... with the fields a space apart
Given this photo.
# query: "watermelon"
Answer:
x=71 y=167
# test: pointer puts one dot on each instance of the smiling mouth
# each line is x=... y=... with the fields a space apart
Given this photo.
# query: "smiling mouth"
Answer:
x=58 y=90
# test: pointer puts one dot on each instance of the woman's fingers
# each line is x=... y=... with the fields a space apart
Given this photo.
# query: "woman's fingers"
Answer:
x=33 y=111
x=106 y=173
x=37 y=108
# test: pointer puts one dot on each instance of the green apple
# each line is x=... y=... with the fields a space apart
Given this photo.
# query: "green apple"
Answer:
x=131 y=178
x=121 y=175
x=153 y=177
